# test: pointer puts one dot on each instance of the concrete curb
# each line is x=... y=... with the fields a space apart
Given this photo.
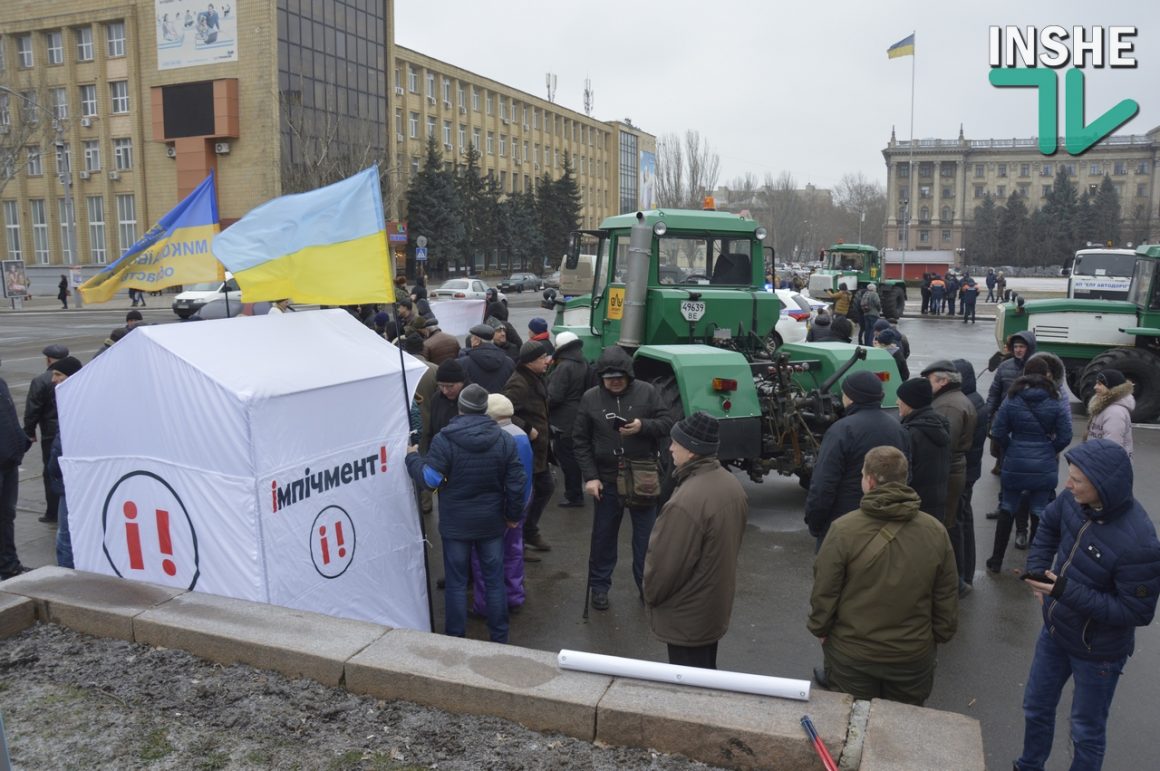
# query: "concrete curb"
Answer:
x=474 y=677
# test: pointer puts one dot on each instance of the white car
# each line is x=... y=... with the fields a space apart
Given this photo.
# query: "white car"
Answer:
x=194 y=296
x=464 y=289
x=797 y=313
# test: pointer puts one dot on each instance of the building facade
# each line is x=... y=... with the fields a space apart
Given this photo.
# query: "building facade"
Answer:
x=952 y=177
x=110 y=114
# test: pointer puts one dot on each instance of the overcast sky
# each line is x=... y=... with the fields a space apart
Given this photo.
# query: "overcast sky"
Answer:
x=777 y=86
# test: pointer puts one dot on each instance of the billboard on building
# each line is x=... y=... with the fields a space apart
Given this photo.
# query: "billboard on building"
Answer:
x=193 y=32
x=648 y=180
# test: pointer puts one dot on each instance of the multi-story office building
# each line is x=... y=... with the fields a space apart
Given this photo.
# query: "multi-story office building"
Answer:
x=110 y=114
x=954 y=175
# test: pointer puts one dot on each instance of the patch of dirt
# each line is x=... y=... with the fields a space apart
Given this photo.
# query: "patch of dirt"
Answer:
x=71 y=701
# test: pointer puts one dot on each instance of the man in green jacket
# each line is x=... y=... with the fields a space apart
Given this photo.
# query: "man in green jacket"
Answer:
x=885 y=589
x=690 y=569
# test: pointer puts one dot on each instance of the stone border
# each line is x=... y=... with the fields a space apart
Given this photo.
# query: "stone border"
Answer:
x=526 y=686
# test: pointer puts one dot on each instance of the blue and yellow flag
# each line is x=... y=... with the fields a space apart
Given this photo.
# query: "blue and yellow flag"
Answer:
x=175 y=251
x=326 y=246
x=904 y=47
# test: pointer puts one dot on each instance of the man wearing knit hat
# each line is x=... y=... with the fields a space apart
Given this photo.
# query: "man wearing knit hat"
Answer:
x=450 y=379
x=690 y=571
x=538 y=331
x=529 y=393
x=836 y=484
x=476 y=468
x=40 y=412
x=485 y=364
x=930 y=445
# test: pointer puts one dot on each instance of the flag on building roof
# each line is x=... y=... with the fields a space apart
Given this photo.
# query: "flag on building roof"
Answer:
x=904 y=47
x=175 y=251
x=326 y=246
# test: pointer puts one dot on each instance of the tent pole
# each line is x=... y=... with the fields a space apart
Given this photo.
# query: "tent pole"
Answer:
x=418 y=502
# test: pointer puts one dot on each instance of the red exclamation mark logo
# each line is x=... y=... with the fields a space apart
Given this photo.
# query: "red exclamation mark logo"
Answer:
x=338 y=537
x=383 y=458
x=324 y=544
x=165 y=543
x=133 y=537
x=274 y=495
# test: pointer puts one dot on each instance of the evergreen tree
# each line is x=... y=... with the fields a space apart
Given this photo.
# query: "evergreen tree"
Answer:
x=470 y=184
x=1034 y=237
x=526 y=242
x=1106 y=213
x=1012 y=223
x=983 y=237
x=434 y=211
x=569 y=200
x=547 y=209
x=1060 y=210
x=489 y=234
x=1087 y=226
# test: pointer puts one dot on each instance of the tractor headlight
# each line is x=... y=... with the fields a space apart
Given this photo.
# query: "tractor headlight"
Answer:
x=761 y=234
x=660 y=229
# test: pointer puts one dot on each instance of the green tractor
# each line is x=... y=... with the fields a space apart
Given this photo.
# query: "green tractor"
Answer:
x=1089 y=335
x=684 y=292
x=853 y=267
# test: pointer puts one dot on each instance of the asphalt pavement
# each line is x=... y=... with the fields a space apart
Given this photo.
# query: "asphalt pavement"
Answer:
x=981 y=672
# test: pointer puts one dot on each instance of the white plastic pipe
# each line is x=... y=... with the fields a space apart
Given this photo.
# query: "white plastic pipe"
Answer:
x=742 y=682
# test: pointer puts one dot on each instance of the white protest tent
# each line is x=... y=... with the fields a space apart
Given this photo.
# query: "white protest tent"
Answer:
x=255 y=457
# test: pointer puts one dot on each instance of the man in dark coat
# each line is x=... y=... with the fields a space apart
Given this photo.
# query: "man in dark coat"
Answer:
x=991 y=285
x=952 y=292
x=969 y=292
x=40 y=412
x=820 y=331
x=476 y=468
x=966 y=513
x=485 y=364
x=836 y=484
x=1101 y=583
x=930 y=445
x=600 y=442
x=450 y=380
x=690 y=570
x=566 y=384
x=14 y=442
x=529 y=395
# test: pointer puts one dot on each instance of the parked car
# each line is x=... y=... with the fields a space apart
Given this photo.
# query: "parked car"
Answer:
x=518 y=282
x=194 y=296
x=797 y=313
x=463 y=289
x=552 y=280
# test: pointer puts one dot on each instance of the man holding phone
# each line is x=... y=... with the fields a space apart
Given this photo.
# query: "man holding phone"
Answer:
x=1095 y=568
x=619 y=420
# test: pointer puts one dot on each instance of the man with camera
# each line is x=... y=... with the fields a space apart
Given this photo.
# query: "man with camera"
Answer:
x=620 y=426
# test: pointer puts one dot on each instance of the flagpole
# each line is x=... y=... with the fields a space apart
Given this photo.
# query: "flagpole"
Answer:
x=910 y=163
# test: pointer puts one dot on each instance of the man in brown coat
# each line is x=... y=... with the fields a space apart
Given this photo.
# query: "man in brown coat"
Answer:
x=529 y=393
x=949 y=401
x=439 y=346
x=690 y=570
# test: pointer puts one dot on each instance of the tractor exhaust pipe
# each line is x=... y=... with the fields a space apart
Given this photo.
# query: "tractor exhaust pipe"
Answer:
x=636 y=284
x=828 y=383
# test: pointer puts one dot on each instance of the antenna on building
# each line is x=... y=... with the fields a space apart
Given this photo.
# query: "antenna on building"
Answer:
x=550 y=82
x=588 y=96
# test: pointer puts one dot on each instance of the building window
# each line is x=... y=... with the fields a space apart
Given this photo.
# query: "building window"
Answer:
x=1119 y=168
x=491 y=143
x=84 y=40
x=398 y=77
x=904 y=170
x=475 y=139
x=1001 y=192
x=115 y=38
x=462 y=136
x=980 y=191
x=54 y=42
x=946 y=236
x=447 y=133
x=924 y=214
x=430 y=126
x=35 y=165
x=924 y=191
x=126 y=221
x=629 y=172
x=490 y=103
x=1142 y=190
x=412 y=80
x=92 y=155
x=39 y=230
x=96 y=207
x=1024 y=189
x=119 y=91
x=460 y=97
x=123 y=155
x=474 y=99
x=1069 y=168
x=63 y=158
x=88 y=96
x=30 y=107
x=1046 y=170
x=945 y=215
x=502 y=145
x=946 y=170
x=1142 y=167
x=413 y=124
x=414 y=165
x=12 y=229
x=65 y=210
x=5 y=110
x=447 y=91
x=948 y=192
x=24 y=52
x=59 y=100
x=1046 y=191
x=980 y=170
x=1096 y=169
x=924 y=236
x=1025 y=169
x=1001 y=169
x=431 y=84
x=399 y=123
x=1119 y=190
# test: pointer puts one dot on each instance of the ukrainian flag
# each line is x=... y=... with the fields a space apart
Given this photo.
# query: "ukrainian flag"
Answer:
x=904 y=47
x=175 y=251
x=326 y=246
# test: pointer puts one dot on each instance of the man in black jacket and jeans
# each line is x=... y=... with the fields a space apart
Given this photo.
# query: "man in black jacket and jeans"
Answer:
x=40 y=412
x=619 y=419
x=566 y=384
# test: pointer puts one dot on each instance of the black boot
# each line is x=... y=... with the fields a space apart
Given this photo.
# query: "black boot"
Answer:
x=1002 y=536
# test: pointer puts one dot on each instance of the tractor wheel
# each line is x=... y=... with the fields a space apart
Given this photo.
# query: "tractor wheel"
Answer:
x=893 y=303
x=1140 y=366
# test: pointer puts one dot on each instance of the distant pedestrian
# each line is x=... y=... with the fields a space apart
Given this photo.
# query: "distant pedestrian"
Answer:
x=842 y=300
x=1111 y=409
x=1001 y=286
x=938 y=294
x=871 y=306
x=969 y=292
x=63 y=292
x=991 y=281
x=952 y=292
x=925 y=291
x=690 y=570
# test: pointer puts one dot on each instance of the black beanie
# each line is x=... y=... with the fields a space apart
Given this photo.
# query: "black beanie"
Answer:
x=530 y=351
x=473 y=400
x=69 y=365
x=916 y=393
x=450 y=371
x=863 y=387
x=1111 y=377
x=699 y=433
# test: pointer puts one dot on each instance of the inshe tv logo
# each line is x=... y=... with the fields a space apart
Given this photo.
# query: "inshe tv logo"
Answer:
x=1028 y=58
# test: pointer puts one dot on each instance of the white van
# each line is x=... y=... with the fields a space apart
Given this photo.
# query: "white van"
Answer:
x=194 y=296
x=1100 y=274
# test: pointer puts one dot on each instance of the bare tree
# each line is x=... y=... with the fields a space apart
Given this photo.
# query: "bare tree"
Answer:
x=864 y=203
x=320 y=147
x=742 y=190
x=703 y=166
x=670 y=172
x=24 y=122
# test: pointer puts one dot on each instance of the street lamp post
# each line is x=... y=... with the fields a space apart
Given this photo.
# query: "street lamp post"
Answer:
x=65 y=178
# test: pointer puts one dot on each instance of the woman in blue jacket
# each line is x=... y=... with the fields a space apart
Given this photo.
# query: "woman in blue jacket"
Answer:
x=1032 y=426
